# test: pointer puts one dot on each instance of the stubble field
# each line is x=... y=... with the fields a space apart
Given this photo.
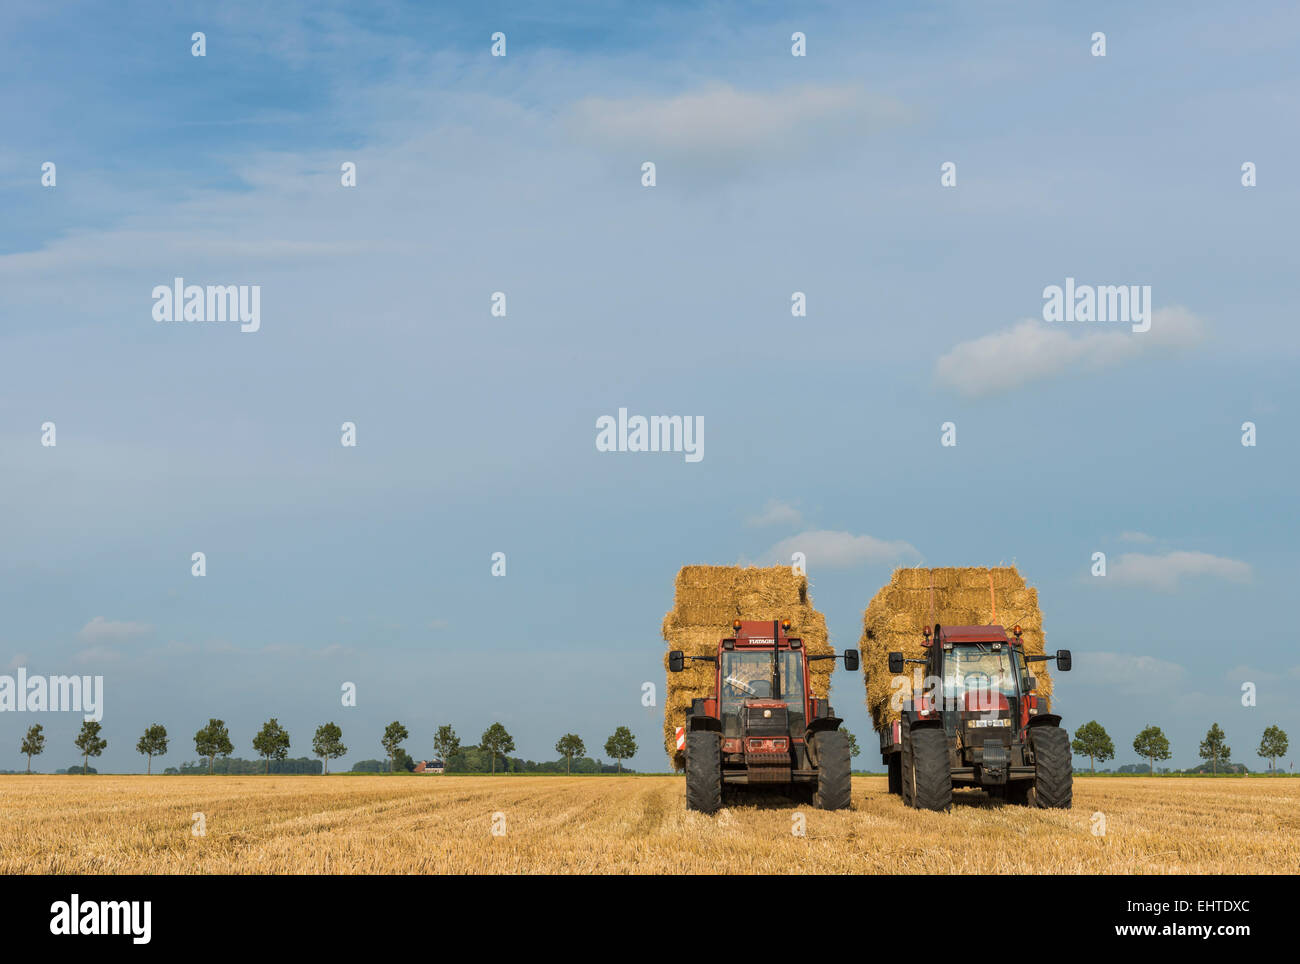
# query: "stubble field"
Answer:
x=378 y=824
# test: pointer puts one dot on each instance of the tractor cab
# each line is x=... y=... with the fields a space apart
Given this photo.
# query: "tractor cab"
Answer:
x=981 y=672
x=761 y=681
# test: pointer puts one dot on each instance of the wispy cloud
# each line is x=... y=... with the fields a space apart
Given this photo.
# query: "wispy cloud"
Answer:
x=100 y=630
x=1130 y=535
x=1128 y=672
x=1165 y=572
x=840 y=550
x=1034 y=350
x=776 y=513
x=96 y=655
x=727 y=129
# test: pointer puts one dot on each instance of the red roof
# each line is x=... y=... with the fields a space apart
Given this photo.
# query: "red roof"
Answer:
x=973 y=634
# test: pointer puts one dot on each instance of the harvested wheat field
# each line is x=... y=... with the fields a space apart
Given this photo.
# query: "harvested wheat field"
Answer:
x=365 y=824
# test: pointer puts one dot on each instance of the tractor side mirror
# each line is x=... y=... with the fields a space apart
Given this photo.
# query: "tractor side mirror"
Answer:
x=850 y=659
x=895 y=662
x=676 y=661
x=1063 y=660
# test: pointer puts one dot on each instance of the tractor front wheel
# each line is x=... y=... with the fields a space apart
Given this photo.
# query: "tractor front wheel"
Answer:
x=931 y=776
x=1053 y=771
x=703 y=772
x=834 y=773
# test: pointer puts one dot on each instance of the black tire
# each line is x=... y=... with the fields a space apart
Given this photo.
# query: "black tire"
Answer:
x=931 y=775
x=1053 y=768
x=703 y=772
x=905 y=765
x=834 y=773
x=895 y=766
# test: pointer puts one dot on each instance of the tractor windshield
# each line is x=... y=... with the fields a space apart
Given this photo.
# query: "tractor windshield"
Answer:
x=975 y=674
x=748 y=676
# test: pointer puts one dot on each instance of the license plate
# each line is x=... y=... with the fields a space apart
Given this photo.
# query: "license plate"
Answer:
x=979 y=723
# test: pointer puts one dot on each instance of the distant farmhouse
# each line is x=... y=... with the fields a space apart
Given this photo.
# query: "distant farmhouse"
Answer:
x=430 y=766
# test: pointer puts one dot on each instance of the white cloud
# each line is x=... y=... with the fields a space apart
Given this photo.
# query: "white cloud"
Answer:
x=95 y=655
x=1131 y=536
x=839 y=550
x=721 y=125
x=776 y=513
x=1127 y=672
x=99 y=630
x=1164 y=572
x=1034 y=350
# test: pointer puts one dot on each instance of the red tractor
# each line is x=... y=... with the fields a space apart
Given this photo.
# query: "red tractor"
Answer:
x=762 y=727
x=978 y=722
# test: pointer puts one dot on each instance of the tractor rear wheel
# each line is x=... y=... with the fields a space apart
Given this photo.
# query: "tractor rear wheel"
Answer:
x=895 y=766
x=703 y=772
x=931 y=776
x=834 y=774
x=1053 y=773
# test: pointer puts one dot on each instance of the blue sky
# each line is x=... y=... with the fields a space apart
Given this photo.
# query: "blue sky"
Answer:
x=476 y=434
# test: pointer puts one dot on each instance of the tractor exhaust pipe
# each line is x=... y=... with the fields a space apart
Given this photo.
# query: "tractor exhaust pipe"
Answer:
x=776 y=672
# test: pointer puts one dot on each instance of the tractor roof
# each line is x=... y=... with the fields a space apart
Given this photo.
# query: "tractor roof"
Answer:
x=757 y=632
x=973 y=634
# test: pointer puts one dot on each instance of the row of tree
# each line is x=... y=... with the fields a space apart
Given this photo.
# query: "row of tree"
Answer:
x=272 y=743
x=1092 y=740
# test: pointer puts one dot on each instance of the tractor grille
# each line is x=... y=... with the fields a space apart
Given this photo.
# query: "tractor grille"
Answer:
x=769 y=774
x=756 y=724
x=768 y=765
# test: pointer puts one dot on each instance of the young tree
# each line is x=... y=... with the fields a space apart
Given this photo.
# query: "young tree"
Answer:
x=497 y=740
x=394 y=734
x=1152 y=744
x=272 y=742
x=153 y=743
x=34 y=743
x=446 y=743
x=328 y=743
x=90 y=743
x=213 y=741
x=1092 y=740
x=1214 y=749
x=569 y=746
x=854 y=749
x=621 y=746
x=1273 y=745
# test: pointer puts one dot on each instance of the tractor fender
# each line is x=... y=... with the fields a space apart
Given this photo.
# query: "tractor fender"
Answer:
x=914 y=722
x=696 y=724
x=1045 y=719
x=820 y=724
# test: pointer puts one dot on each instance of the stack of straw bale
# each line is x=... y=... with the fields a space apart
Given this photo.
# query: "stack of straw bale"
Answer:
x=917 y=598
